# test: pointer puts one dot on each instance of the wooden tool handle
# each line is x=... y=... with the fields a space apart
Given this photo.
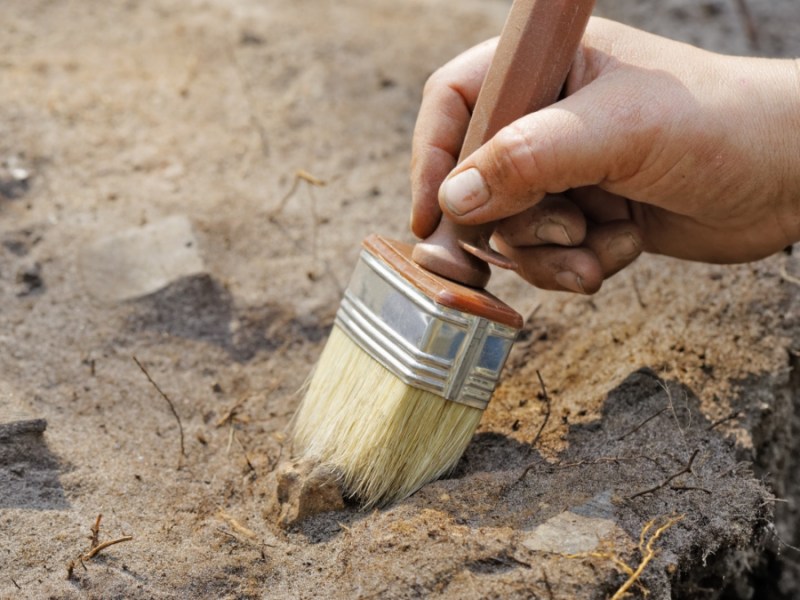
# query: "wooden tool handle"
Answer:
x=531 y=63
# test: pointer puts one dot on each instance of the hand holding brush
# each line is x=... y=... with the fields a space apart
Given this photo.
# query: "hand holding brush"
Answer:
x=417 y=345
x=656 y=146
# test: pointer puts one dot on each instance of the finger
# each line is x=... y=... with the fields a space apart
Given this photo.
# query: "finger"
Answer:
x=554 y=220
x=447 y=102
x=557 y=268
x=615 y=244
x=585 y=139
x=599 y=205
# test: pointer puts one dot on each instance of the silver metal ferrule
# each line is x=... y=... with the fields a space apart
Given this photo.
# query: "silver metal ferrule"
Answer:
x=454 y=354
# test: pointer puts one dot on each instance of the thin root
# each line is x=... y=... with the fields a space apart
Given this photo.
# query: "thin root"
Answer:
x=646 y=549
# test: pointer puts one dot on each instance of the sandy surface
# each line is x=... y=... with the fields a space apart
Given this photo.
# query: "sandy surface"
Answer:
x=150 y=207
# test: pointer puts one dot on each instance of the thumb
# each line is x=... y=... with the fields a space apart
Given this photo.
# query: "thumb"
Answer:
x=577 y=142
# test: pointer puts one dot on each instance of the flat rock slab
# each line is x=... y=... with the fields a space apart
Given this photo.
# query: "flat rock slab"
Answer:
x=22 y=427
x=139 y=261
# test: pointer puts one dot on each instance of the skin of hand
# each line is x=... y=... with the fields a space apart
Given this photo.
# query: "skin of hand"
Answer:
x=655 y=146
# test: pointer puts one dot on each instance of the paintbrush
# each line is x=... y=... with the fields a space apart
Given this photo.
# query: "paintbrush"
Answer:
x=418 y=345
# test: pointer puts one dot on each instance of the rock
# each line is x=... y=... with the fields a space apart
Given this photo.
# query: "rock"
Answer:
x=142 y=260
x=303 y=489
x=569 y=533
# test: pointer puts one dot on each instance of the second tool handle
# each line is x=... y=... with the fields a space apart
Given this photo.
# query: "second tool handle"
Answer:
x=533 y=58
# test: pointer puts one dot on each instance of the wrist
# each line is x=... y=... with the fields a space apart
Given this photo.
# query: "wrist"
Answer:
x=791 y=152
x=778 y=98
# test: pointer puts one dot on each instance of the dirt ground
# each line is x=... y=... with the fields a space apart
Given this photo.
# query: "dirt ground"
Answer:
x=151 y=207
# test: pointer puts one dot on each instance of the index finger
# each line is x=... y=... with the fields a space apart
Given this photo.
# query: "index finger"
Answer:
x=447 y=102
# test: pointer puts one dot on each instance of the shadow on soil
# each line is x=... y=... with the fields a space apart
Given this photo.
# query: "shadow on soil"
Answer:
x=29 y=471
x=200 y=308
x=651 y=454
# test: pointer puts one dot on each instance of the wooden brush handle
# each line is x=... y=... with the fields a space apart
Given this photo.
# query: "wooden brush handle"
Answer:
x=531 y=63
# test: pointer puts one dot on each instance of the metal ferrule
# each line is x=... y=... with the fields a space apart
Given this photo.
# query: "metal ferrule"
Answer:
x=451 y=353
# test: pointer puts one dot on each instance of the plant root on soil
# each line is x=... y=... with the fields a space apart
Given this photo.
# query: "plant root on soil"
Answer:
x=646 y=549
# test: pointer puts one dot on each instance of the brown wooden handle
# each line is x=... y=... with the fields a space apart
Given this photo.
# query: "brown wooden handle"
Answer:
x=531 y=63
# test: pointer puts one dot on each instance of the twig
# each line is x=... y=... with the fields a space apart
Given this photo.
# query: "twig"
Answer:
x=642 y=424
x=730 y=417
x=229 y=415
x=16 y=585
x=100 y=547
x=231 y=432
x=171 y=407
x=299 y=175
x=638 y=293
x=95 y=529
x=532 y=314
x=228 y=533
x=790 y=278
x=768 y=500
x=668 y=480
x=689 y=488
x=780 y=540
x=244 y=451
x=603 y=459
x=95 y=548
x=546 y=400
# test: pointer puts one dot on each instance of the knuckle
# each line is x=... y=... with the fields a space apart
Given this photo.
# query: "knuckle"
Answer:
x=516 y=156
x=433 y=83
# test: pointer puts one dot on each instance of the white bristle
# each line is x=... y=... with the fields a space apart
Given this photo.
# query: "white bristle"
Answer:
x=386 y=438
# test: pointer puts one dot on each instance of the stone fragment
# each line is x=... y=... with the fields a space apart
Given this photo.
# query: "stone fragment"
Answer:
x=569 y=533
x=303 y=489
x=22 y=427
x=139 y=261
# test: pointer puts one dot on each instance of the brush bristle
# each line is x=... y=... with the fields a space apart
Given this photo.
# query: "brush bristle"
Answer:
x=386 y=438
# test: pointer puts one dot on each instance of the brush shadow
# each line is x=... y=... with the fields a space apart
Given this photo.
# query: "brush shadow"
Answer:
x=490 y=452
x=647 y=429
x=200 y=308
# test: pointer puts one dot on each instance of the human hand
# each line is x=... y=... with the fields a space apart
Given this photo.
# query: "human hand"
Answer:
x=657 y=146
